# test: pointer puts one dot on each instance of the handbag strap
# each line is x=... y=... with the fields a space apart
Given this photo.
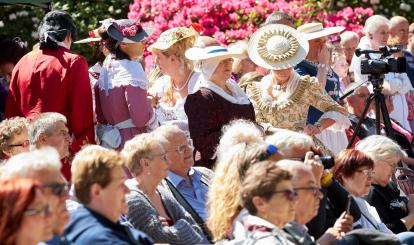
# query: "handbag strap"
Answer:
x=179 y=197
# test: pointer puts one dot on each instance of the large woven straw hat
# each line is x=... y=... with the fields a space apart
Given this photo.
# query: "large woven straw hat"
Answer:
x=277 y=47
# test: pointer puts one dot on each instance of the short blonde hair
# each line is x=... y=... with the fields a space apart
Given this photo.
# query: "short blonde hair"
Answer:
x=381 y=149
x=93 y=165
x=224 y=191
x=287 y=141
x=8 y=129
x=137 y=148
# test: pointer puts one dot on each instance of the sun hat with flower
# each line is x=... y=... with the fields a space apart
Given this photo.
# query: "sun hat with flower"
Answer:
x=316 y=30
x=126 y=31
x=277 y=47
x=93 y=37
x=173 y=35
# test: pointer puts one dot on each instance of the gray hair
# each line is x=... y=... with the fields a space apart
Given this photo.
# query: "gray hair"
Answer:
x=381 y=149
x=163 y=132
x=44 y=124
x=236 y=132
x=348 y=35
x=372 y=22
x=294 y=167
x=288 y=141
x=28 y=164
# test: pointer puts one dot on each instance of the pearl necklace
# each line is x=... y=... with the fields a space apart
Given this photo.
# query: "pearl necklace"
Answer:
x=185 y=84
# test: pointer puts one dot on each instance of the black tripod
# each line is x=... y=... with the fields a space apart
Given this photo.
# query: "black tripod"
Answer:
x=380 y=109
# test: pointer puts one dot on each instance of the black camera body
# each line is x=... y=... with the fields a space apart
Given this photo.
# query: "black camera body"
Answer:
x=384 y=64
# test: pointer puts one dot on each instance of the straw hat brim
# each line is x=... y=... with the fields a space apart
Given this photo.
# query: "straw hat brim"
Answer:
x=144 y=34
x=201 y=54
x=277 y=65
x=323 y=33
x=88 y=40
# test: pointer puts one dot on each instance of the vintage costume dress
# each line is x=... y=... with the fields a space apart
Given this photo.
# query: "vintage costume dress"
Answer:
x=173 y=114
x=208 y=110
x=122 y=107
x=290 y=110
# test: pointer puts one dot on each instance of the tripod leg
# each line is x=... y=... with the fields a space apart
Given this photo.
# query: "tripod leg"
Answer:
x=386 y=117
x=358 y=126
x=378 y=107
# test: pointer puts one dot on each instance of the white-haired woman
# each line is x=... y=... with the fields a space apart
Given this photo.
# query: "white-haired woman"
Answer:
x=218 y=100
x=282 y=98
x=376 y=35
x=395 y=211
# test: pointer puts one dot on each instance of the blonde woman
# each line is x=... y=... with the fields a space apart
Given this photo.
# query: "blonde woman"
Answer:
x=169 y=91
x=240 y=147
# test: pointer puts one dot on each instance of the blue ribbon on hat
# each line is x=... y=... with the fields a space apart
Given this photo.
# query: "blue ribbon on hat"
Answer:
x=217 y=51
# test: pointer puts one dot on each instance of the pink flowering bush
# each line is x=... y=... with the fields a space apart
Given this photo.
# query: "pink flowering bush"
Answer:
x=230 y=20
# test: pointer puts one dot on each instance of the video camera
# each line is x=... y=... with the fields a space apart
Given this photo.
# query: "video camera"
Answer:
x=384 y=64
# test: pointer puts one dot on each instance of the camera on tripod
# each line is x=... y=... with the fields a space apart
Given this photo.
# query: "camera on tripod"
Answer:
x=384 y=64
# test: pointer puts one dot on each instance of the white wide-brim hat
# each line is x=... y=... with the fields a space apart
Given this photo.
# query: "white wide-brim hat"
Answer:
x=316 y=30
x=277 y=47
x=212 y=52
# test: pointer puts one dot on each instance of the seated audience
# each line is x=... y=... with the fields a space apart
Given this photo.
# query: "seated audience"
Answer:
x=240 y=146
x=49 y=130
x=25 y=218
x=44 y=166
x=395 y=211
x=354 y=170
x=151 y=206
x=308 y=189
x=98 y=179
x=13 y=137
x=269 y=198
x=188 y=184
x=299 y=146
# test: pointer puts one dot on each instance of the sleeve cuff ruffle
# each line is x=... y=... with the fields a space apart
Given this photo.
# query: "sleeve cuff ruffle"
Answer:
x=341 y=121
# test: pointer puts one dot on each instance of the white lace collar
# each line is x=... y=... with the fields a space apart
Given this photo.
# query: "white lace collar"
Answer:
x=267 y=81
x=116 y=73
x=238 y=95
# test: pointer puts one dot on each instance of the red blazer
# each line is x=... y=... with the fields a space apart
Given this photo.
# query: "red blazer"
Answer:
x=54 y=81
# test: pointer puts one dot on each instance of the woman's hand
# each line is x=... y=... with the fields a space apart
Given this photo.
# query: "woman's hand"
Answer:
x=316 y=164
x=311 y=130
x=344 y=223
x=153 y=99
x=163 y=221
x=325 y=55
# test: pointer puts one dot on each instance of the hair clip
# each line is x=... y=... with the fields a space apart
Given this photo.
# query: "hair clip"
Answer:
x=271 y=149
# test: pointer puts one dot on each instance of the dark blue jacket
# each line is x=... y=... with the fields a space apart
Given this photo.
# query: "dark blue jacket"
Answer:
x=410 y=66
x=89 y=227
x=332 y=86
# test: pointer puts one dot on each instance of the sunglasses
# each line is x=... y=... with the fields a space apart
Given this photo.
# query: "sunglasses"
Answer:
x=58 y=189
x=44 y=211
x=288 y=194
x=23 y=144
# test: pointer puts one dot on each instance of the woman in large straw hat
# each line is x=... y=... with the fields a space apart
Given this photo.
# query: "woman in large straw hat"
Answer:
x=169 y=91
x=282 y=98
x=218 y=100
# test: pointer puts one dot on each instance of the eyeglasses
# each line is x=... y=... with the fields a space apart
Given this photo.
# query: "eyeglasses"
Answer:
x=288 y=194
x=44 y=211
x=58 y=189
x=366 y=172
x=23 y=144
x=189 y=145
x=315 y=190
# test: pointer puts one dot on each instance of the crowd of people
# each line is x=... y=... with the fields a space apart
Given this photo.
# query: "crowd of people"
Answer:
x=245 y=144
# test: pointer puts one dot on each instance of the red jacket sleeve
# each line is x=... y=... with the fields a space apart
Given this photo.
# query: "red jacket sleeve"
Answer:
x=80 y=120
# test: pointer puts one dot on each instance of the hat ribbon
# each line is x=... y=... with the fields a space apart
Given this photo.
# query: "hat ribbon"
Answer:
x=217 y=51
